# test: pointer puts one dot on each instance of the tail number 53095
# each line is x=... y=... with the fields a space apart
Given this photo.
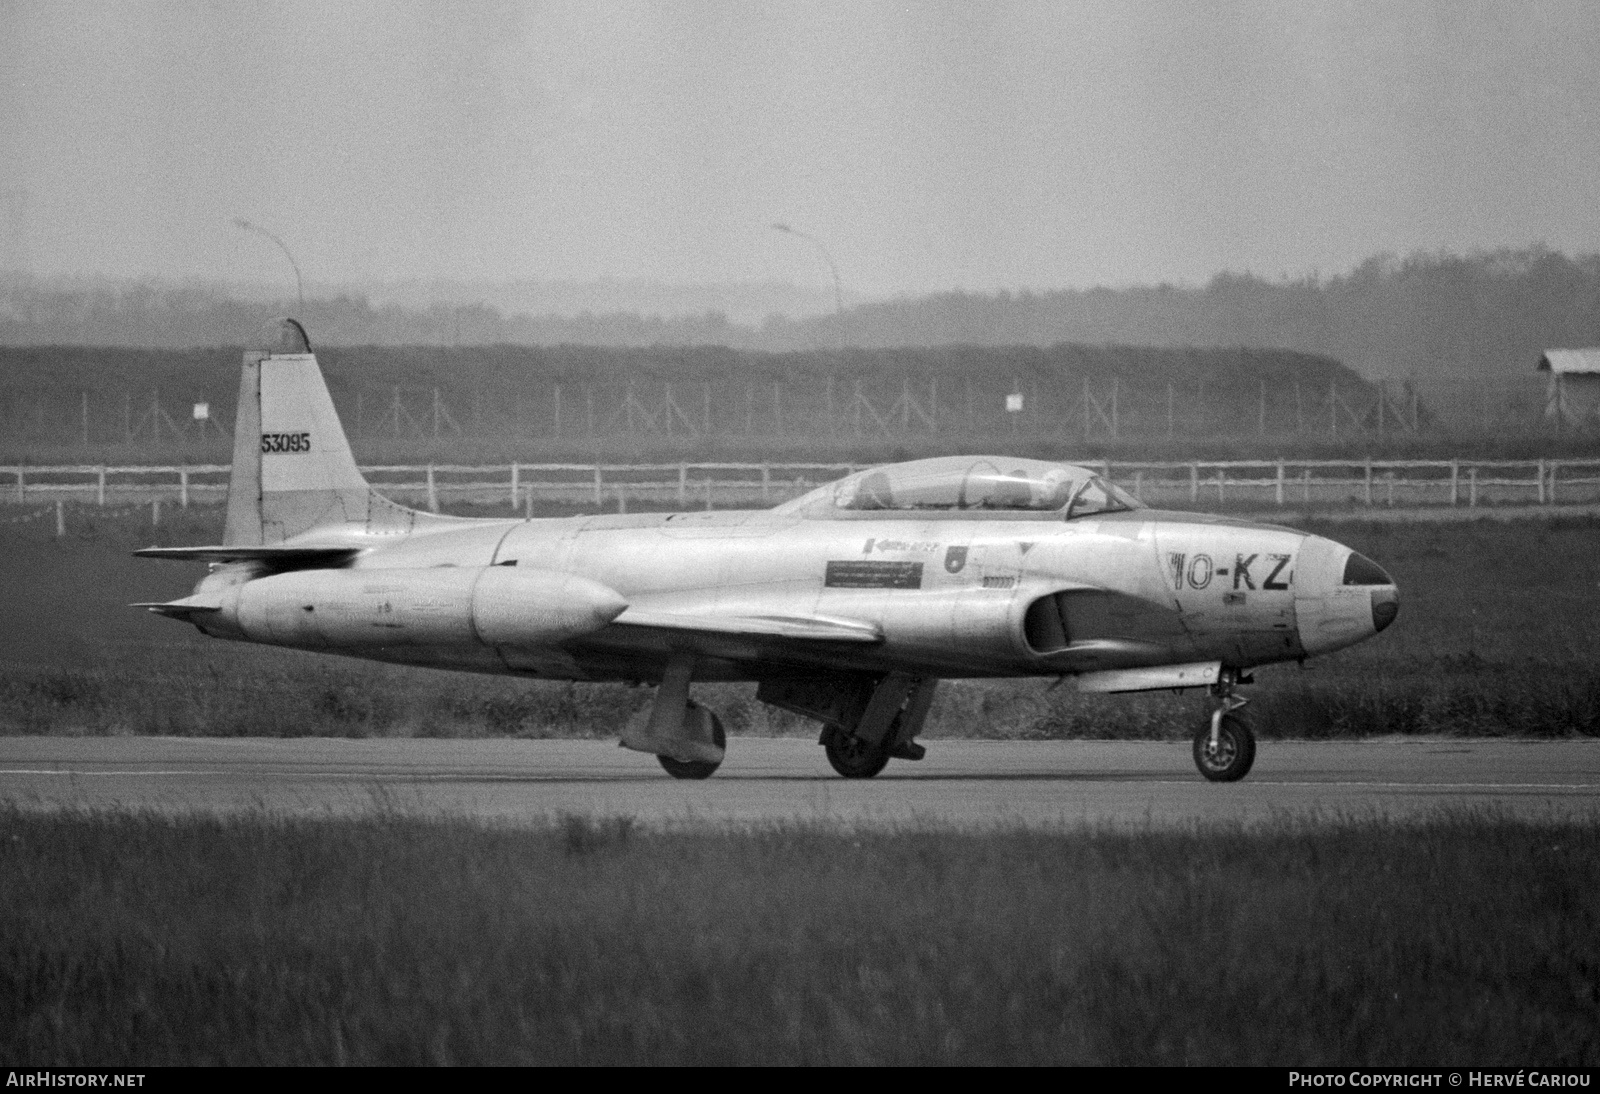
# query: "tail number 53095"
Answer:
x=285 y=442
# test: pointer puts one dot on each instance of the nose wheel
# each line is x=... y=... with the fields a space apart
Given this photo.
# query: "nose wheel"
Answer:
x=1224 y=746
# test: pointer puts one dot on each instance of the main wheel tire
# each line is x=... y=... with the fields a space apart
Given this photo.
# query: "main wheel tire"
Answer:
x=698 y=769
x=854 y=758
x=1236 y=750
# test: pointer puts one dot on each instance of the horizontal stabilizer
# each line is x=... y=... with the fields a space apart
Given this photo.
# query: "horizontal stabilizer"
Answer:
x=185 y=609
x=287 y=556
x=814 y=628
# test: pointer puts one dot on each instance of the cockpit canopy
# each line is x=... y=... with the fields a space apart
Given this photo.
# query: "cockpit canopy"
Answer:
x=973 y=487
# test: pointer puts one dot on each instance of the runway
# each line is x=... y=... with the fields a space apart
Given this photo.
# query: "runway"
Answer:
x=961 y=784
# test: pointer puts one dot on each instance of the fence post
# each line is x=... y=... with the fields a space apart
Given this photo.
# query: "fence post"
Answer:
x=155 y=512
x=1222 y=475
x=1472 y=487
x=1552 y=495
x=683 y=486
x=528 y=500
x=183 y=487
x=708 y=491
x=1369 y=480
x=1194 y=481
x=1280 y=482
x=433 y=493
x=766 y=482
x=22 y=486
x=61 y=518
x=100 y=487
x=1541 y=482
x=598 y=500
x=515 y=484
x=1305 y=485
x=1455 y=481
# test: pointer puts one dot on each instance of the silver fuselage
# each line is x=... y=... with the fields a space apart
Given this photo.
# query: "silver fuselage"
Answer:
x=974 y=596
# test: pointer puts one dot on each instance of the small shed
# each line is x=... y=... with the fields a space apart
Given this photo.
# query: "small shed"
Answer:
x=1572 y=399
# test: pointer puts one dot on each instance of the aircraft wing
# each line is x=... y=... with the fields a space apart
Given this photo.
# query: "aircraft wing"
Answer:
x=748 y=637
x=185 y=609
x=813 y=628
x=290 y=556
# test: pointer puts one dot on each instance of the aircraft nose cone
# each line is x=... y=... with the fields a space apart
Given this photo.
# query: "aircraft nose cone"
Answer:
x=1385 y=606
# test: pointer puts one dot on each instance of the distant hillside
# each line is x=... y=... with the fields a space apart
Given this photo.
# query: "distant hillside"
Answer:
x=1434 y=319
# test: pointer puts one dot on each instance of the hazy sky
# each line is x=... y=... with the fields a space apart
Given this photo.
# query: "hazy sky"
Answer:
x=930 y=146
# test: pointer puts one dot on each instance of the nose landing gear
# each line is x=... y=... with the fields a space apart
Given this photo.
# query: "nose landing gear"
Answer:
x=1224 y=746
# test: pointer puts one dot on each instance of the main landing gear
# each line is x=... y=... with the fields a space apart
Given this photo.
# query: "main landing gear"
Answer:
x=852 y=757
x=867 y=720
x=855 y=758
x=687 y=738
x=702 y=723
x=1224 y=746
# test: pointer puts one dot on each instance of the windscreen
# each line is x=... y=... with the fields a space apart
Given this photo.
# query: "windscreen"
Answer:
x=1099 y=496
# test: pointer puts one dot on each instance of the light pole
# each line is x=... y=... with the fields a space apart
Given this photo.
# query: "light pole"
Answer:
x=299 y=286
x=838 y=295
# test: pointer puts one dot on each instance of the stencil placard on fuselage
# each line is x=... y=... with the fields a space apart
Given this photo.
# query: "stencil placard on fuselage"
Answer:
x=873 y=574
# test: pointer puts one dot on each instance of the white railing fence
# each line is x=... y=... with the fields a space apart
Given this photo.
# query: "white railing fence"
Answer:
x=1184 y=484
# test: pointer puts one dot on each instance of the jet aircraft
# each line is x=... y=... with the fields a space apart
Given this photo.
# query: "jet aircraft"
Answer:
x=847 y=605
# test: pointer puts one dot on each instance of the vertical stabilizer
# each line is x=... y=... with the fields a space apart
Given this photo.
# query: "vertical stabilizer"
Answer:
x=293 y=471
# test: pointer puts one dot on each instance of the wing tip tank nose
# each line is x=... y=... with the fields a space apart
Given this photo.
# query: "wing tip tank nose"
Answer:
x=606 y=604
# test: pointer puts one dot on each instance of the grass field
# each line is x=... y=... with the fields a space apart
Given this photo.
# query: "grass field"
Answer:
x=1496 y=635
x=137 y=940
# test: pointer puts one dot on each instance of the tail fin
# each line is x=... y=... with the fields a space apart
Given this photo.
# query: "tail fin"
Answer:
x=293 y=471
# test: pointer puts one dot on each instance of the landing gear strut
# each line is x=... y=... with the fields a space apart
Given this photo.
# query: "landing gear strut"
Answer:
x=867 y=720
x=1224 y=746
x=686 y=737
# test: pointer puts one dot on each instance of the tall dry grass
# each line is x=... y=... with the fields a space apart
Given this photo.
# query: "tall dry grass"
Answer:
x=142 y=940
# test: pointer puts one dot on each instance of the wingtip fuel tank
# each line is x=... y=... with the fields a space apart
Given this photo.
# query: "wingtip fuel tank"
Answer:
x=362 y=611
